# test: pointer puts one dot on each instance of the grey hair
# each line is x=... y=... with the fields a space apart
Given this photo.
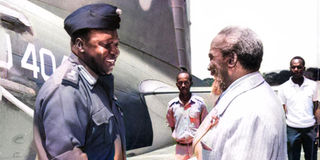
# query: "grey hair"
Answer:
x=243 y=42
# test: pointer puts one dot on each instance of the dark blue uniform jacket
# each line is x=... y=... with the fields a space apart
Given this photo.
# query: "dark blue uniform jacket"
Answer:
x=76 y=113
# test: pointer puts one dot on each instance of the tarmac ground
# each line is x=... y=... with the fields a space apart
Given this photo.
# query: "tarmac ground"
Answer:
x=167 y=153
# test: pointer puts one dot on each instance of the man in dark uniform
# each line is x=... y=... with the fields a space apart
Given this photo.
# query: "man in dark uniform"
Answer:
x=75 y=115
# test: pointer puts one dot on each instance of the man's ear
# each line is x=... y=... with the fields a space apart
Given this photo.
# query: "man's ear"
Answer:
x=79 y=44
x=232 y=60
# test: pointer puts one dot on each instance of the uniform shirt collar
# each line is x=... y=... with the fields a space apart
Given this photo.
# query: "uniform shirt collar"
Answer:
x=88 y=74
x=191 y=100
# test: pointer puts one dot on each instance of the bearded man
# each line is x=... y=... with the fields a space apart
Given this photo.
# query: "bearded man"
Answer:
x=247 y=122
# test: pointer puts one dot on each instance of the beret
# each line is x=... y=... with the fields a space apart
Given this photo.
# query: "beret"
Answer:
x=95 y=16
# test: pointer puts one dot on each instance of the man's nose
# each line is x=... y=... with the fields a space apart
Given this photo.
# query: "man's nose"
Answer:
x=209 y=66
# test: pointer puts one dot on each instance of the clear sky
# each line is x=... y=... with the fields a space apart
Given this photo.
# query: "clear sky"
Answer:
x=286 y=27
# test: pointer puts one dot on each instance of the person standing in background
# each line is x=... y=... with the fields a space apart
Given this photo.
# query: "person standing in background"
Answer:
x=184 y=116
x=299 y=97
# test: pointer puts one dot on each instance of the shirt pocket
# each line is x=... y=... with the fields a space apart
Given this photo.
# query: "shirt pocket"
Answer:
x=194 y=112
x=194 y=116
x=103 y=128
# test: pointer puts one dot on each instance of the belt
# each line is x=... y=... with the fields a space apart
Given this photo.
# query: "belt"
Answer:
x=185 y=144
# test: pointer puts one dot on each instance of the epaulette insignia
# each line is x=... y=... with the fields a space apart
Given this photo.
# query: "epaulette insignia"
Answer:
x=199 y=99
x=172 y=102
x=71 y=77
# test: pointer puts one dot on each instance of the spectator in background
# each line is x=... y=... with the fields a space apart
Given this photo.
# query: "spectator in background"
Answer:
x=299 y=97
x=185 y=113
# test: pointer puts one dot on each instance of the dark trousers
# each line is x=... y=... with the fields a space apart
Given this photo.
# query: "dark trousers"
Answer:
x=301 y=136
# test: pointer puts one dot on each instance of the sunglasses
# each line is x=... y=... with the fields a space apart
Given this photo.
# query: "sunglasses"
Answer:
x=298 y=67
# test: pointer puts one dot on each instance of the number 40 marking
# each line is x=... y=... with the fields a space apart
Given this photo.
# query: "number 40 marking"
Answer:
x=31 y=50
x=32 y=63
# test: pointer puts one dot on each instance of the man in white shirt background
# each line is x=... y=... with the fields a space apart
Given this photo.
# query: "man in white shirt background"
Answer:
x=299 y=97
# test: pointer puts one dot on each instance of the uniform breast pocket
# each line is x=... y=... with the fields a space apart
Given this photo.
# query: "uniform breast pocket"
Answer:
x=103 y=126
x=194 y=112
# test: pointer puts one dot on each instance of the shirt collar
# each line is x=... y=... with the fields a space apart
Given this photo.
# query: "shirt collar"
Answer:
x=191 y=100
x=88 y=74
x=238 y=87
x=294 y=84
x=236 y=83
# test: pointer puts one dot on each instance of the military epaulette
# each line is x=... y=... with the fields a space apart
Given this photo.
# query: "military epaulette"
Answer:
x=199 y=99
x=173 y=101
x=71 y=77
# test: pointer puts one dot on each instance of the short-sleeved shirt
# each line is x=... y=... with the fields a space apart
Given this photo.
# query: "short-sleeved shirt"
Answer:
x=75 y=113
x=187 y=118
x=299 y=102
